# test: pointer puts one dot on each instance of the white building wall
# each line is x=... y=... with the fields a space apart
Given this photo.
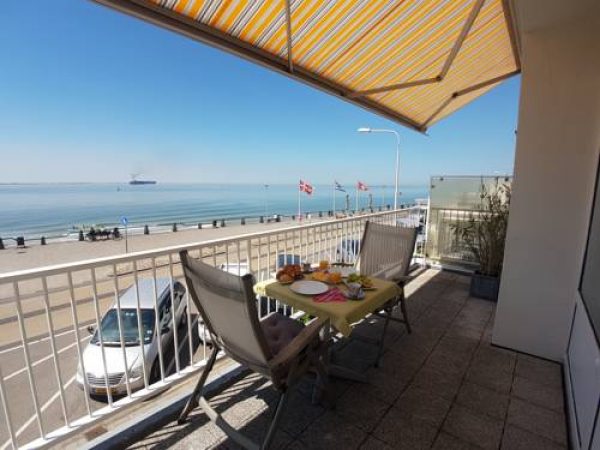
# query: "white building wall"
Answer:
x=556 y=158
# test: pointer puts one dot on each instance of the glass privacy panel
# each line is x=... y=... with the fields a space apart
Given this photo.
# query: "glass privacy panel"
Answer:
x=452 y=201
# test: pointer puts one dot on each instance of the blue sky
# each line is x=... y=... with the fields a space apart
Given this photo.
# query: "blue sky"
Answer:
x=88 y=94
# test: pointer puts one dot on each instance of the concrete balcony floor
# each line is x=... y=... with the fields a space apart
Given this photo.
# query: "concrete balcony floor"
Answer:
x=444 y=386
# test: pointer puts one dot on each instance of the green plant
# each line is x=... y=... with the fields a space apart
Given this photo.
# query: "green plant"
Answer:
x=484 y=232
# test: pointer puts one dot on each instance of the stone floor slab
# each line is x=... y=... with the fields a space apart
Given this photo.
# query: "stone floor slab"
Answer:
x=483 y=400
x=474 y=428
x=538 y=394
x=516 y=438
x=403 y=431
x=541 y=421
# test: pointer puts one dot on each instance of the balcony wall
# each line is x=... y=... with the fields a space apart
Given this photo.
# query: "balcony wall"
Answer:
x=555 y=168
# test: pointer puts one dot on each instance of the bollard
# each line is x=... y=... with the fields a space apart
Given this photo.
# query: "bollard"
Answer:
x=262 y=219
x=1 y=244
x=293 y=217
x=320 y=213
x=174 y=228
x=243 y=221
x=116 y=233
x=388 y=207
x=199 y=226
x=223 y=222
x=43 y=241
x=81 y=236
x=20 y=241
x=278 y=218
x=214 y=224
x=146 y=229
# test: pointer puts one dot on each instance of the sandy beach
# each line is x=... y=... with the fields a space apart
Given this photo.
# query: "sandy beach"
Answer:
x=13 y=258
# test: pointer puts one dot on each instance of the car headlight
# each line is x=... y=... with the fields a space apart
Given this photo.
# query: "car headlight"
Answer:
x=136 y=371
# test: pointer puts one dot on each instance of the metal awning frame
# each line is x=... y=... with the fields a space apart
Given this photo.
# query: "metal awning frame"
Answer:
x=198 y=31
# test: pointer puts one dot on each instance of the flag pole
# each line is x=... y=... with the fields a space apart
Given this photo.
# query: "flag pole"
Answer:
x=334 y=199
x=357 y=194
x=299 y=202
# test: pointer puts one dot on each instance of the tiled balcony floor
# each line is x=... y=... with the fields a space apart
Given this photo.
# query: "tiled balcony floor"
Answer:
x=443 y=387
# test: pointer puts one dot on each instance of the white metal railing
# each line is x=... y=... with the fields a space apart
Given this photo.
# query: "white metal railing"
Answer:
x=45 y=397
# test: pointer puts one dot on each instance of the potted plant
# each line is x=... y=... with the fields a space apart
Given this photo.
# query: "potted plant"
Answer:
x=484 y=235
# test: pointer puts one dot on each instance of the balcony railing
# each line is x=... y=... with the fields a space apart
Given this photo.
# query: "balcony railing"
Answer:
x=61 y=374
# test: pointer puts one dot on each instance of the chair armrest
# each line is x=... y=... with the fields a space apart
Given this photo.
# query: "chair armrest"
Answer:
x=299 y=343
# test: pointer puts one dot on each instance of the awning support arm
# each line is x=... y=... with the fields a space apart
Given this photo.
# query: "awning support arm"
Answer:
x=393 y=87
x=445 y=68
x=467 y=91
x=288 y=19
x=461 y=38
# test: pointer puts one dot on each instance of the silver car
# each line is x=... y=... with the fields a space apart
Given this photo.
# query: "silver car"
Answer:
x=134 y=368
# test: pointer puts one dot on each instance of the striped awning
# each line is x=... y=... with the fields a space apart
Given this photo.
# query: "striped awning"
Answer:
x=412 y=61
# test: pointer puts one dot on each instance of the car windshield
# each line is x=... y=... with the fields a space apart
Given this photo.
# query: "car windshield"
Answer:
x=129 y=322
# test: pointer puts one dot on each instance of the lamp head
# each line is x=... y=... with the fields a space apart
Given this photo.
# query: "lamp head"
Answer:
x=364 y=130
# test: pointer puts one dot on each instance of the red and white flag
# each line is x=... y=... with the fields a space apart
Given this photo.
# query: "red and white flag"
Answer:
x=305 y=187
x=362 y=186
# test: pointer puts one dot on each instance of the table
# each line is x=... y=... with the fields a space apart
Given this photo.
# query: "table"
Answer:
x=340 y=314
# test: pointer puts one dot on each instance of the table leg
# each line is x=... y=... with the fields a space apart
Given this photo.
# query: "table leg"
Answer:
x=338 y=371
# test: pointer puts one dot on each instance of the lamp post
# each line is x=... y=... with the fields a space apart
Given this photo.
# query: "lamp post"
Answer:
x=395 y=133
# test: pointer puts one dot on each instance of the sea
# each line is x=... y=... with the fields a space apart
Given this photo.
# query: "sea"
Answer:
x=59 y=211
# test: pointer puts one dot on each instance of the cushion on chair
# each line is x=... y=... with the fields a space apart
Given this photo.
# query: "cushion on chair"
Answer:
x=279 y=331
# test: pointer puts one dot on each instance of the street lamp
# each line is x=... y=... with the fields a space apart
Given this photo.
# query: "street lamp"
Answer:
x=395 y=133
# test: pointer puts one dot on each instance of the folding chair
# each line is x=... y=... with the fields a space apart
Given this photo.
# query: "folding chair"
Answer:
x=277 y=347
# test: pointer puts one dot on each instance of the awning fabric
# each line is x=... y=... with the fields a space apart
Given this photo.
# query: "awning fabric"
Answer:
x=412 y=61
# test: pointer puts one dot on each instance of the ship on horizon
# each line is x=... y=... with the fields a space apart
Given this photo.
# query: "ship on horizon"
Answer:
x=135 y=181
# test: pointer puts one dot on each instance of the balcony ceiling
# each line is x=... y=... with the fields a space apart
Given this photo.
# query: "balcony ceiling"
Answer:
x=412 y=61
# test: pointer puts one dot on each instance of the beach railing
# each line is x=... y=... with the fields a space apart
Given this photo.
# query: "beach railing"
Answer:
x=59 y=375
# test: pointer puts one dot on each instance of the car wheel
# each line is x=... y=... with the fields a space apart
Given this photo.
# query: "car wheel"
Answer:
x=155 y=371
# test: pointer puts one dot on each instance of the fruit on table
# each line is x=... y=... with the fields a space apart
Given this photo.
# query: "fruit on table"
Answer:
x=364 y=280
x=320 y=276
x=327 y=277
x=335 y=277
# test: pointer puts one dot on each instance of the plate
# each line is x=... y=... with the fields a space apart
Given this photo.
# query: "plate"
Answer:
x=309 y=287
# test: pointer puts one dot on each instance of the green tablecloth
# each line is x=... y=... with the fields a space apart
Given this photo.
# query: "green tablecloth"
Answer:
x=341 y=314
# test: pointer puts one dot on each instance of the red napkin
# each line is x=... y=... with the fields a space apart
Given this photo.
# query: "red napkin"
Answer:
x=332 y=295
